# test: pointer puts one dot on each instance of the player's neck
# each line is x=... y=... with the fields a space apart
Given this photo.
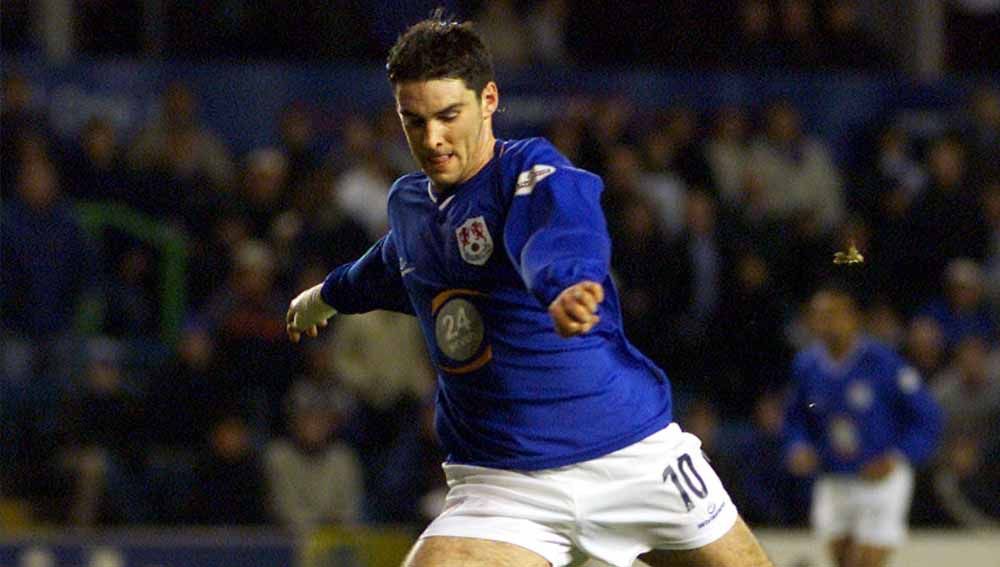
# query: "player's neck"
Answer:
x=483 y=155
x=841 y=349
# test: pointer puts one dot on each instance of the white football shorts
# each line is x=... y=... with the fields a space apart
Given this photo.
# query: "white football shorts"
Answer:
x=870 y=512
x=659 y=493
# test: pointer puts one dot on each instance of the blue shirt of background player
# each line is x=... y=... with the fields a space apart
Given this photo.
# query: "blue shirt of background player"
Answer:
x=860 y=408
x=479 y=264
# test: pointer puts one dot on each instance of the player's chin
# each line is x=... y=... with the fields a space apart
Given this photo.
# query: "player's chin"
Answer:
x=441 y=179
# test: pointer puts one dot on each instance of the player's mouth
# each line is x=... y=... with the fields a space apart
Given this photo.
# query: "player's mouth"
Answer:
x=439 y=161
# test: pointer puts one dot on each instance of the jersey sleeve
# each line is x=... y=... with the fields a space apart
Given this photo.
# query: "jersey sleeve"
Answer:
x=555 y=233
x=920 y=419
x=371 y=282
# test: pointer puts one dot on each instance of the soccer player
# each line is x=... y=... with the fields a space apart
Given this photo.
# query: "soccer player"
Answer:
x=558 y=431
x=859 y=418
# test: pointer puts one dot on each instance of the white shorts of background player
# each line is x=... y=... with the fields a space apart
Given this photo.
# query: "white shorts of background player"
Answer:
x=869 y=512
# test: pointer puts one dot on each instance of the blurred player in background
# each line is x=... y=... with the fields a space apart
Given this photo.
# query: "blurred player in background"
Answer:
x=859 y=418
x=558 y=431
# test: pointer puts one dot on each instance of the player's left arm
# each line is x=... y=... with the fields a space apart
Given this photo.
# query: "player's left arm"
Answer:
x=557 y=237
x=920 y=421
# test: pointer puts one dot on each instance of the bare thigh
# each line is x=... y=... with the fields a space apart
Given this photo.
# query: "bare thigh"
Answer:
x=862 y=555
x=840 y=548
x=738 y=548
x=444 y=551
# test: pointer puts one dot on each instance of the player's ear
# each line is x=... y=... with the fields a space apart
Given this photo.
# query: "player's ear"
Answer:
x=489 y=99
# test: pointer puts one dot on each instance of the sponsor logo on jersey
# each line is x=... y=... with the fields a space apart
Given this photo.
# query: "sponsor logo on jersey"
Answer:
x=844 y=436
x=908 y=380
x=527 y=180
x=860 y=395
x=474 y=241
x=405 y=267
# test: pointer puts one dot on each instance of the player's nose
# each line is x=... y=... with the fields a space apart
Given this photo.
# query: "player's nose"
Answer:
x=433 y=136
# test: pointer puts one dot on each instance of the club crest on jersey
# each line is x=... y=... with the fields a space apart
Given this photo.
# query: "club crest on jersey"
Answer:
x=474 y=241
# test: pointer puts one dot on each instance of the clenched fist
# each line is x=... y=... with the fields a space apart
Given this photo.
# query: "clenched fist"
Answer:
x=574 y=311
x=307 y=314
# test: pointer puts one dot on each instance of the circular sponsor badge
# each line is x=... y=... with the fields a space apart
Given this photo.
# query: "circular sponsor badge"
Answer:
x=458 y=328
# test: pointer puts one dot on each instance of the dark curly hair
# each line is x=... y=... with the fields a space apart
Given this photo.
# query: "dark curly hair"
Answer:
x=436 y=48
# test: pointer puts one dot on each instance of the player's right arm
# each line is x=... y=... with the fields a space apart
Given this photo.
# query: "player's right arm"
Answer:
x=371 y=282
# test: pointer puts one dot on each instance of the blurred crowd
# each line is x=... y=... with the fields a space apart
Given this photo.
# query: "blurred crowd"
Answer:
x=795 y=34
x=722 y=222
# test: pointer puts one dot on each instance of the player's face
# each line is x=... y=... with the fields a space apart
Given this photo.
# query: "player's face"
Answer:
x=448 y=127
x=833 y=318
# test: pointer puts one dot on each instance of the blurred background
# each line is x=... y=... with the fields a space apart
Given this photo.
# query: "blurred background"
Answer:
x=175 y=171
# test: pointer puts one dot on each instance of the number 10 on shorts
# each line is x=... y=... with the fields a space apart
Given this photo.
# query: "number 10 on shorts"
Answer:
x=686 y=468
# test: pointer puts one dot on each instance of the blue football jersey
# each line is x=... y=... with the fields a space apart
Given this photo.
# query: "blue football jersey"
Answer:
x=479 y=265
x=860 y=408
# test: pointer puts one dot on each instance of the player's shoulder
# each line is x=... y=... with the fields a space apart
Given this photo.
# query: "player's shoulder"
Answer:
x=527 y=150
x=807 y=360
x=410 y=182
x=531 y=160
x=881 y=353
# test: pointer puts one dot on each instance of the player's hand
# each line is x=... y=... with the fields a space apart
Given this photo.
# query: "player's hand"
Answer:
x=880 y=467
x=574 y=311
x=803 y=461
x=307 y=314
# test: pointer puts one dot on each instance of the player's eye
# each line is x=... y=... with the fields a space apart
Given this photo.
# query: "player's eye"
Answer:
x=413 y=122
x=449 y=117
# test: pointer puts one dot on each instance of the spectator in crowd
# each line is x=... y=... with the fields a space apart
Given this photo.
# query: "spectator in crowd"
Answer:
x=264 y=193
x=247 y=317
x=607 y=128
x=186 y=389
x=885 y=323
x=754 y=44
x=132 y=309
x=680 y=149
x=104 y=444
x=944 y=223
x=99 y=172
x=981 y=133
x=768 y=495
x=969 y=393
x=796 y=171
x=662 y=190
x=991 y=267
x=313 y=478
x=726 y=152
x=894 y=179
x=413 y=472
x=700 y=260
x=361 y=190
x=963 y=309
x=21 y=118
x=178 y=143
x=494 y=23
x=229 y=485
x=388 y=390
x=800 y=41
x=757 y=356
x=42 y=292
x=847 y=44
x=640 y=271
x=547 y=23
x=925 y=347
x=297 y=136
x=211 y=252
